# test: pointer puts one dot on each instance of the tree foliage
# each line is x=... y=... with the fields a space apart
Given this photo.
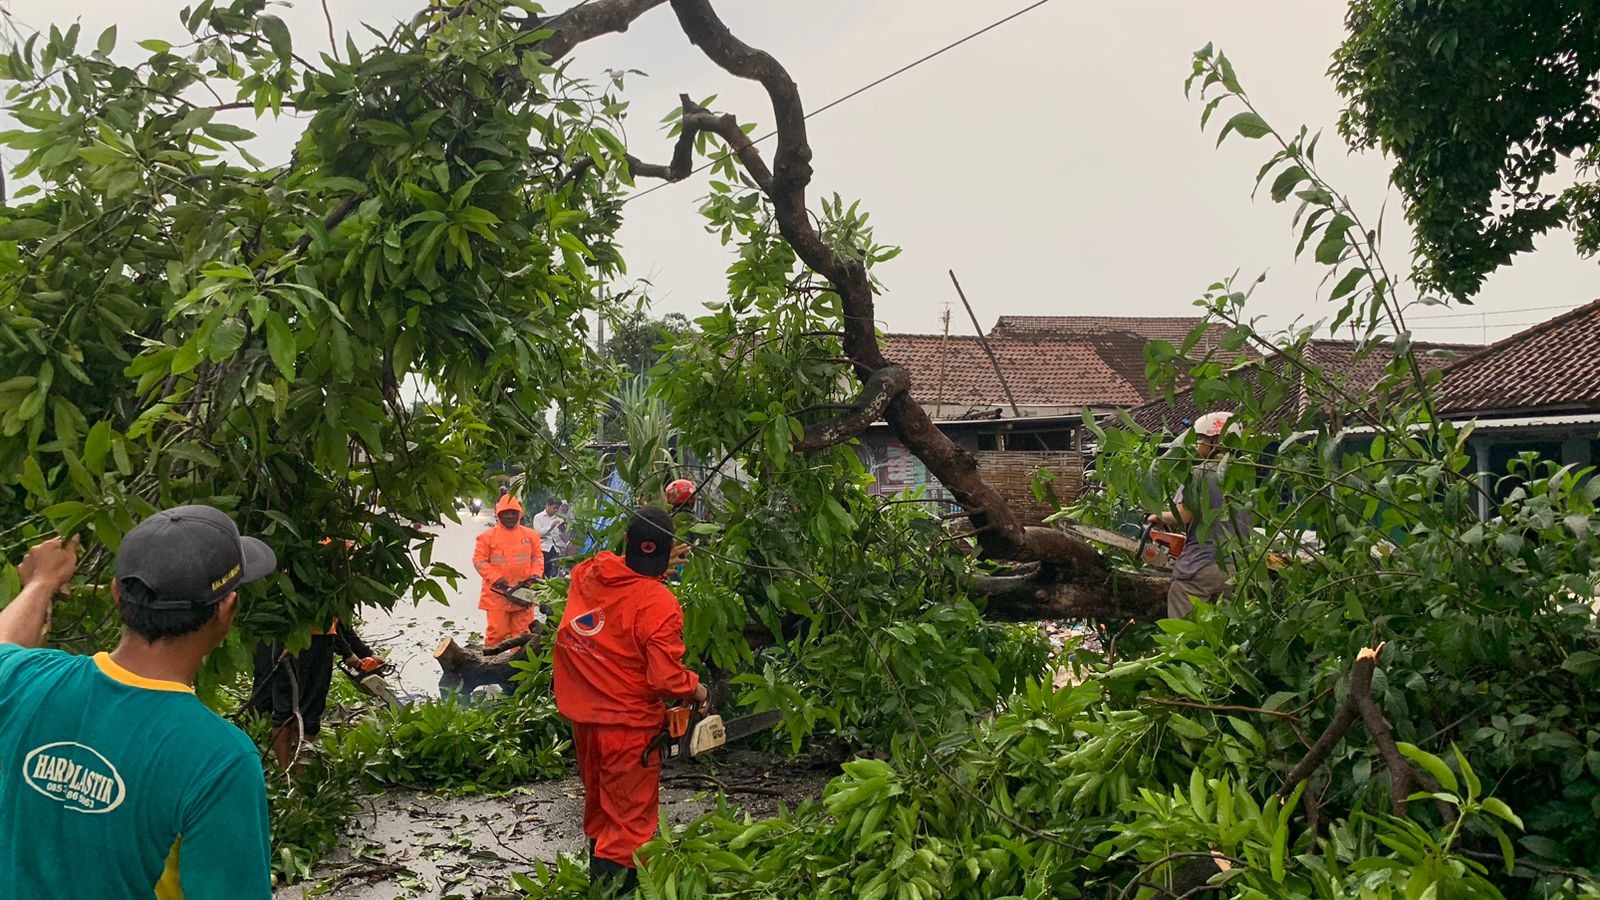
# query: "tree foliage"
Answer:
x=190 y=324
x=187 y=323
x=1478 y=102
x=1181 y=763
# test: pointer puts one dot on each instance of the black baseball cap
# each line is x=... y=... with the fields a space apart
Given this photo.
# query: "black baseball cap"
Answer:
x=190 y=557
x=649 y=546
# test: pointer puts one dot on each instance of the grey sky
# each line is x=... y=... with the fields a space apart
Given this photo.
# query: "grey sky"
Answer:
x=1053 y=163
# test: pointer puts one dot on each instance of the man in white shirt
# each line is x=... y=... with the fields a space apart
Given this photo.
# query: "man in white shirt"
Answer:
x=549 y=524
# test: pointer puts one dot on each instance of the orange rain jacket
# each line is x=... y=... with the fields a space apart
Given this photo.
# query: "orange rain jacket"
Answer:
x=619 y=651
x=510 y=553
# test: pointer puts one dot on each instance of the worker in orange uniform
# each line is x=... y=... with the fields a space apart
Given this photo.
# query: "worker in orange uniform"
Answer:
x=618 y=657
x=506 y=555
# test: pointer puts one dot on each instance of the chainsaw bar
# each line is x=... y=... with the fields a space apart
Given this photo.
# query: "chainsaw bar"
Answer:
x=1150 y=553
x=707 y=733
x=739 y=729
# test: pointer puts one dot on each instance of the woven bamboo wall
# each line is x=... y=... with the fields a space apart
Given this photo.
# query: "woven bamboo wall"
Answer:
x=1011 y=473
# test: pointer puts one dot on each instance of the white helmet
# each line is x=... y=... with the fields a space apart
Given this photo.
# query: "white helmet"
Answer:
x=1213 y=424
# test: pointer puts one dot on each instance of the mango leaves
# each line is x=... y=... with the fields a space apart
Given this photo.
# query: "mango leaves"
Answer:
x=328 y=348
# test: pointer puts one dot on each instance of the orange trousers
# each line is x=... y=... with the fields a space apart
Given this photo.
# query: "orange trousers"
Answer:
x=621 y=799
x=505 y=624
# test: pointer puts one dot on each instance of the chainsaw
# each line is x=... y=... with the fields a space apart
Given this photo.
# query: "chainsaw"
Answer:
x=368 y=676
x=526 y=595
x=1153 y=548
x=690 y=733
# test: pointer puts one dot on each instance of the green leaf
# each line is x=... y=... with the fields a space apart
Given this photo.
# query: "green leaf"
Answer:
x=25 y=230
x=1474 y=786
x=222 y=131
x=1331 y=248
x=155 y=46
x=1433 y=764
x=277 y=34
x=226 y=339
x=1507 y=852
x=64 y=510
x=108 y=41
x=192 y=452
x=1284 y=184
x=1187 y=727
x=1494 y=806
x=32 y=479
x=1347 y=284
x=1247 y=124
x=281 y=345
x=95 y=447
x=1581 y=662
x=187 y=357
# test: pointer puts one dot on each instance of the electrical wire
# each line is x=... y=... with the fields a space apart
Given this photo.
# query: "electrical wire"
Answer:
x=1478 y=315
x=864 y=88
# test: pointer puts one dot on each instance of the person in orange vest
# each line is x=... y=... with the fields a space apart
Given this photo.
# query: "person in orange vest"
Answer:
x=618 y=657
x=507 y=554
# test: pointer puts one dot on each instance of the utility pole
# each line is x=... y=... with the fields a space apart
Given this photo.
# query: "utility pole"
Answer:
x=599 y=348
x=1015 y=412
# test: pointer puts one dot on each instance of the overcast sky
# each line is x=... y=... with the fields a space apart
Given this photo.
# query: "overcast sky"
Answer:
x=1053 y=162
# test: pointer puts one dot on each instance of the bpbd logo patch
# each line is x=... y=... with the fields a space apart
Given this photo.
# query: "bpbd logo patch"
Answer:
x=74 y=775
x=590 y=623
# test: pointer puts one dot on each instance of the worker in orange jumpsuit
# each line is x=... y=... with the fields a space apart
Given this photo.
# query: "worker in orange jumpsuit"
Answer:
x=618 y=657
x=506 y=555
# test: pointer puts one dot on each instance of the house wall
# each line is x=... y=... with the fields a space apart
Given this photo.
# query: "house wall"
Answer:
x=1493 y=451
x=1011 y=473
x=895 y=470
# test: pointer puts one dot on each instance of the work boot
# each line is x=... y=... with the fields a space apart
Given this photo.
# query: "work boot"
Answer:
x=612 y=879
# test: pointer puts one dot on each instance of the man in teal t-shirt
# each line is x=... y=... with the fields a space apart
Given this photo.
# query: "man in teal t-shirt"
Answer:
x=115 y=780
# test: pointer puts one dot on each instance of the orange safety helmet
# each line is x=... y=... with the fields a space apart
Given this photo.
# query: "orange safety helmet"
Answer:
x=680 y=492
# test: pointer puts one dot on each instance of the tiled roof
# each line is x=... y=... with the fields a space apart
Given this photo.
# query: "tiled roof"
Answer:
x=1350 y=375
x=1173 y=329
x=1102 y=370
x=1067 y=361
x=1551 y=367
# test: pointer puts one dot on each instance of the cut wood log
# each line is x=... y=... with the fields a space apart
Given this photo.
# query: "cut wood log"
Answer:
x=466 y=668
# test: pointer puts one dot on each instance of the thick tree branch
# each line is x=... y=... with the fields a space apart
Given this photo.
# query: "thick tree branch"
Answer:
x=1043 y=595
x=589 y=21
x=1074 y=576
x=792 y=162
x=682 y=152
x=1359 y=704
x=881 y=387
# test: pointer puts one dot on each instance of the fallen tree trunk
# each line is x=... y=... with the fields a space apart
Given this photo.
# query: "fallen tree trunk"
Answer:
x=467 y=668
x=1035 y=596
x=1074 y=580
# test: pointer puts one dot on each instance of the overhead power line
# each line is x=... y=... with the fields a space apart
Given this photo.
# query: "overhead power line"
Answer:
x=867 y=87
x=1478 y=315
x=1478 y=327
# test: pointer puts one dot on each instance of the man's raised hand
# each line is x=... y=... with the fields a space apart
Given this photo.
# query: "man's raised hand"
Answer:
x=50 y=563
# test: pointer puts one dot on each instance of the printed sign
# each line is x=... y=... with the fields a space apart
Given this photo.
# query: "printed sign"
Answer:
x=74 y=775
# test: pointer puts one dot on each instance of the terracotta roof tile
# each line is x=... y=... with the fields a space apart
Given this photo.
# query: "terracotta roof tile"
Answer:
x=1173 y=329
x=1551 y=367
x=1069 y=361
x=1355 y=377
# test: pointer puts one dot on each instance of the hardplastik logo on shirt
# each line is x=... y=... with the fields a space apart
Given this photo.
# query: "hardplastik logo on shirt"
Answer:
x=75 y=776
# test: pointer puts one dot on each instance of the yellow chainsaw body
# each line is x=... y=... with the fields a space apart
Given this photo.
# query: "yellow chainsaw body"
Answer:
x=709 y=734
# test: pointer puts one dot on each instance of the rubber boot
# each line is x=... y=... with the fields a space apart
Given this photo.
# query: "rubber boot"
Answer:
x=612 y=879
